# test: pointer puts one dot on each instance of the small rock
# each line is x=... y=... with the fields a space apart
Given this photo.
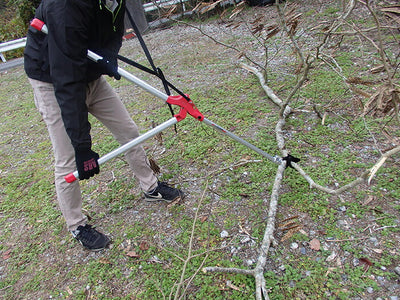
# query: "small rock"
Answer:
x=331 y=257
x=249 y=262
x=374 y=240
x=303 y=250
x=294 y=246
x=282 y=268
x=397 y=270
x=356 y=262
x=343 y=223
x=370 y=290
x=381 y=280
x=394 y=298
x=342 y=208
x=224 y=234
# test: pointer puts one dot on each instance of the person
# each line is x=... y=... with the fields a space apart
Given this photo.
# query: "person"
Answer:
x=67 y=86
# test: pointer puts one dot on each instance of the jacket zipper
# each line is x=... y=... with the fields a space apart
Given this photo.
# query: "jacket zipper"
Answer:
x=113 y=13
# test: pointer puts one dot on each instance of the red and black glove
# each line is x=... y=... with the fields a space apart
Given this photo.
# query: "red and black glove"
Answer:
x=86 y=163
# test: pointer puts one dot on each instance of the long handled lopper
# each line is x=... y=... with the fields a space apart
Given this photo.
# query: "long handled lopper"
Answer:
x=186 y=107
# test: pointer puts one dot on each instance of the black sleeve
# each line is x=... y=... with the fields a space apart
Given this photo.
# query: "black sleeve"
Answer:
x=68 y=24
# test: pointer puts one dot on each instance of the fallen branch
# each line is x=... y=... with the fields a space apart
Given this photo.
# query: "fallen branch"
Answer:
x=279 y=137
x=258 y=271
x=381 y=161
x=348 y=240
x=270 y=93
x=189 y=256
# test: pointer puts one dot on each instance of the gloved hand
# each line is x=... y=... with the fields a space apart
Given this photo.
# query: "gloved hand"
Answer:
x=109 y=66
x=86 y=163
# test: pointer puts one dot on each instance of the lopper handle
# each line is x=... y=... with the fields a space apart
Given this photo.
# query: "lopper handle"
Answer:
x=71 y=177
x=140 y=139
x=39 y=25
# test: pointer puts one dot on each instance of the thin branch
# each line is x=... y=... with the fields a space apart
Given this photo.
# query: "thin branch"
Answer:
x=242 y=53
x=190 y=246
x=354 y=183
x=270 y=93
x=381 y=161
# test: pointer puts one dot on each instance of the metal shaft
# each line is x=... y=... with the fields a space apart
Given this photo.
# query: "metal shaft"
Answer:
x=140 y=139
x=163 y=96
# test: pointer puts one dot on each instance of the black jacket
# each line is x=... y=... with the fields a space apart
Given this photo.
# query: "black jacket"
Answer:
x=74 y=26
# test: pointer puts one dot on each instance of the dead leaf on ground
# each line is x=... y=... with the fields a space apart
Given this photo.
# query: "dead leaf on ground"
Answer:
x=144 y=246
x=175 y=202
x=105 y=261
x=393 y=12
x=381 y=102
x=69 y=291
x=6 y=255
x=379 y=251
x=315 y=244
x=358 y=80
x=377 y=69
x=366 y=262
x=154 y=166
x=132 y=254
x=368 y=200
x=290 y=233
x=232 y=286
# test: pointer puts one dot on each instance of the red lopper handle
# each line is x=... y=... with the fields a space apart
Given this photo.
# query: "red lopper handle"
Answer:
x=37 y=24
x=70 y=178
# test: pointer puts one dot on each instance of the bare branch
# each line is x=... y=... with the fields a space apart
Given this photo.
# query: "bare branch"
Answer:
x=381 y=161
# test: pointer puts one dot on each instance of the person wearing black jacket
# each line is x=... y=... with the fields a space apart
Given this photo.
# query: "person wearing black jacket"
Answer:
x=67 y=86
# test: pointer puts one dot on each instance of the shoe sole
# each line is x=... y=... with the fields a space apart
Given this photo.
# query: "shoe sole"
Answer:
x=97 y=249
x=161 y=199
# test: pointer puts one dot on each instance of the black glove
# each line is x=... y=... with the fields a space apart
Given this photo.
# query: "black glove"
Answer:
x=109 y=66
x=86 y=163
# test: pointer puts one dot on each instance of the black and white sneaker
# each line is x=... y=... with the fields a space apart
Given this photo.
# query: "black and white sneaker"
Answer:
x=90 y=238
x=163 y=192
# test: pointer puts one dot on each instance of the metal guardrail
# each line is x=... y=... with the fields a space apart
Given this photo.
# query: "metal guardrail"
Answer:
x=161 y=3
x=11 y=45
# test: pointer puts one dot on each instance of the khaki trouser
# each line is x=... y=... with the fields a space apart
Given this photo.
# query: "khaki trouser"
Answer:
x=105 y=105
